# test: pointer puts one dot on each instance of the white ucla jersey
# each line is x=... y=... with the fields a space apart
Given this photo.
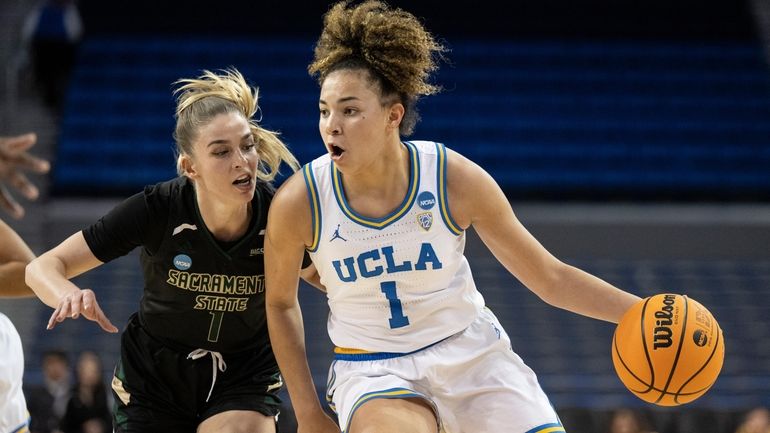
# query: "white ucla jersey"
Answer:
x=397 y=283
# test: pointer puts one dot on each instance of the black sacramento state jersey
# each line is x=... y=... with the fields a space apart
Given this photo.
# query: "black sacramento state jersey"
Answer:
x=198 y=293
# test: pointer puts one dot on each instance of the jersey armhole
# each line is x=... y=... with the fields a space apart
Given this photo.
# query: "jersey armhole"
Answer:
x=315 y=205
x=443 y=203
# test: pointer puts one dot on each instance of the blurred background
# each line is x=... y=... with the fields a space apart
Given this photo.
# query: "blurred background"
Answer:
x=632 y=138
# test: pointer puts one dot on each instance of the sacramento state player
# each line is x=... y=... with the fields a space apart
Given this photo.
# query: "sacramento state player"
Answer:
x=196 y=356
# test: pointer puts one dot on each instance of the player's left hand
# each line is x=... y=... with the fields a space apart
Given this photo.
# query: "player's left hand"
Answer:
x=72 y=305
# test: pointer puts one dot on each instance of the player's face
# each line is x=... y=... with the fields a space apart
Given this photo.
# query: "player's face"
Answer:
x=352 y=121
x=225 y=158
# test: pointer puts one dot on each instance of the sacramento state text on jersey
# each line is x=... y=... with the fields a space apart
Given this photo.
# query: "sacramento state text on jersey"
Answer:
x=220 y=284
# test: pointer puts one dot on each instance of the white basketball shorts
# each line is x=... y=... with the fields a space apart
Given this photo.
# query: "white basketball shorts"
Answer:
x=473 y=380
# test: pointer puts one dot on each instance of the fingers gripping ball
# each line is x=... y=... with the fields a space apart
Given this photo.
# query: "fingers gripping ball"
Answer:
x=668 y=349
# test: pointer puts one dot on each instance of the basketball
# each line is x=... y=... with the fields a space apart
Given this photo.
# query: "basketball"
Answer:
x=668 y=349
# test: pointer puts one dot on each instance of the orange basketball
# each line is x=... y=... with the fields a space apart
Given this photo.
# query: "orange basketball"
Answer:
x=668 y=349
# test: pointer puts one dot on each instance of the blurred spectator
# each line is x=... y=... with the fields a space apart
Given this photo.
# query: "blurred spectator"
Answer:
x=695 y=419
x=88 y=408
x=48 y=401
x=629 y=421
x=52 y=31
x=755 y=421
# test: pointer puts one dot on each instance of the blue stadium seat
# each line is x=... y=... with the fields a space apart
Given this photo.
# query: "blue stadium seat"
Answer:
x=549 y=118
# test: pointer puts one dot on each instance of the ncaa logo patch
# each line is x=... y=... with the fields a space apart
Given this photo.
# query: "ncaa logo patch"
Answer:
x=700 y=338
x=182 y=262
x=425 y=220
x=426 y=200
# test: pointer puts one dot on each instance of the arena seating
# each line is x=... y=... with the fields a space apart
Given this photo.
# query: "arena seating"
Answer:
x=548 y=119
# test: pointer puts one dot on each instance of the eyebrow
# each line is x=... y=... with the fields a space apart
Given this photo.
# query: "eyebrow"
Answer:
x=223 y=141
x=345 y=99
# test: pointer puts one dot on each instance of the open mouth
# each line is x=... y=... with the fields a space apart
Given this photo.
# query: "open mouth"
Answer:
x=336 y=150
x=242 y=180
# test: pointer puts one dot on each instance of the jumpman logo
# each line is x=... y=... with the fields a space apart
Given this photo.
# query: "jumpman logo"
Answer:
x=336 y=235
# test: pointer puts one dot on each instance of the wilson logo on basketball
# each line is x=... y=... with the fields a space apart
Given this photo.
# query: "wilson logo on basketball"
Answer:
x=700 y=337
x=664 y=320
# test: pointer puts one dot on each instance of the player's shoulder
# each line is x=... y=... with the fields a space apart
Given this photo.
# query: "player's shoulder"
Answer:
x=466 y=180
x=169 y=189
x=291 y=200
x=293 y=188
x=171 y=197
x=459 y=166
x=289 y=215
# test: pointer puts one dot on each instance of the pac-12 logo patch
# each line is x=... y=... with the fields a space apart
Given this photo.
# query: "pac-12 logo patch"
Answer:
x=182 y=262
x=426 y=220
x=426 y=200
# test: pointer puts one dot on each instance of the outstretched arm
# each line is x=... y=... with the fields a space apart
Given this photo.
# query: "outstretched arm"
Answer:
x=288 y=231
x=15 y=254
x=476 y=199
x=49 y=276
x=14 y=257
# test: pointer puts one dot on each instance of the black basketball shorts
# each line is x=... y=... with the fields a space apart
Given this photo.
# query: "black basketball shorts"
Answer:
x=158 y=389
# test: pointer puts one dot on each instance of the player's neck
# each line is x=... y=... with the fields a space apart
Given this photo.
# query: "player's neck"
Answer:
x=381 y=187
x=223 y=220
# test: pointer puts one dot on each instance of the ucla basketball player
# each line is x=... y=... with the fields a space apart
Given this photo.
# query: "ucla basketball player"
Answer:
x=15 y=254
x=384 y=221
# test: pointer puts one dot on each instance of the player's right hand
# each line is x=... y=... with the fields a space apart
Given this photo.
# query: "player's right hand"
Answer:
x=72 y=305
